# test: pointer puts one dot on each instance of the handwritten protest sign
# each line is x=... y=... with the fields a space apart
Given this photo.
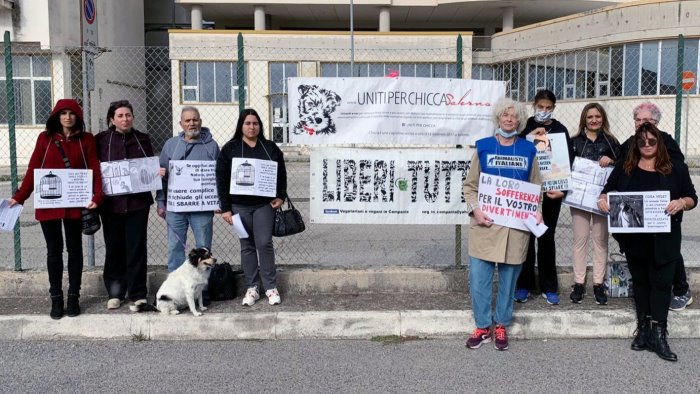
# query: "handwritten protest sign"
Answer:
x=192 y=186
x=507 y=201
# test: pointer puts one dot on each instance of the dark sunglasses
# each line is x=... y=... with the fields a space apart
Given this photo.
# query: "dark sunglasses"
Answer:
x=641 y=143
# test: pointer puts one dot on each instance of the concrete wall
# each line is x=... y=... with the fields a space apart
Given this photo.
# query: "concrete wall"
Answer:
x=638 y=21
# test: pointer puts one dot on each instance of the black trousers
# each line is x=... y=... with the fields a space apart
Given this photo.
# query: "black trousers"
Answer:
x=652 y=286
x=680 y=280
x=545 y=255
x=126 y=254
x=54 y=254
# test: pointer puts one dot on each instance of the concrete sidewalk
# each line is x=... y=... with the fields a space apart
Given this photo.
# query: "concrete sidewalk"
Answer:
x=322 y=303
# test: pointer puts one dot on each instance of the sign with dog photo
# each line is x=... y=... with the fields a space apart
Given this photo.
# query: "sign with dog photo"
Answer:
x=253 y=177
x=192 y=186
x=553 y=157
x=388 y=186
x=391 y=110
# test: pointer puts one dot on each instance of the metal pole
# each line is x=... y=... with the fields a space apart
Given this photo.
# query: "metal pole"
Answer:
x=687 y=111
x=240 y=76
x=458 y=228
x=88 y=127
x=10 y=97
x=679 y=87
x=352 y=40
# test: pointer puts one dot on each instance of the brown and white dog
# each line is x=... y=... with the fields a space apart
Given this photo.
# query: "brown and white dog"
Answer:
x=184 y=285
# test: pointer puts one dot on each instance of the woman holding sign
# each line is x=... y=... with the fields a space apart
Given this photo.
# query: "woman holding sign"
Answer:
x=592 y=142
x=542 y=124
x=652 y=261
x=125 y=216
x=493 y=246
x=250 y=152
x=64 y=141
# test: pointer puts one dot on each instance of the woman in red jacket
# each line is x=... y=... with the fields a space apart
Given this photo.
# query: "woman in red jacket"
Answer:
x=64 y=128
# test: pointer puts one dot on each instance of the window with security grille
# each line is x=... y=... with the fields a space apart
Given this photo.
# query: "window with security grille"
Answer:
x=279 y=73
x=211 y=82
x=32 y=84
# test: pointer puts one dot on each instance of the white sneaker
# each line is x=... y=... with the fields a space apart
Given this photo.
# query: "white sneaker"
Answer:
x=251 y=295
x=114 y=303
x=273 y=297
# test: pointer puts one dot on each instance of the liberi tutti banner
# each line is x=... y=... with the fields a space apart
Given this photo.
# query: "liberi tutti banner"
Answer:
x=388 y=186
x=391 y=110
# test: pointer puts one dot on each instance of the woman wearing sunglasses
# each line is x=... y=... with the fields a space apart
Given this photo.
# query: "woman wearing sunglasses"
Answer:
x=652 y=261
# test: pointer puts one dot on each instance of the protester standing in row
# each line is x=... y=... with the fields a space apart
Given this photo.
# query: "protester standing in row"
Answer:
x=492 y=246
x=648 y=112
x=193 y=143
x=65 y=138
x=545 y=254
x=125 y=217
x=593 y=142
x=653 y=258
x=256 y=212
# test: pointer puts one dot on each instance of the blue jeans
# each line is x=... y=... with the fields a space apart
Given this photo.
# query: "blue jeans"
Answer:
x=201 y=223
x=481 y=285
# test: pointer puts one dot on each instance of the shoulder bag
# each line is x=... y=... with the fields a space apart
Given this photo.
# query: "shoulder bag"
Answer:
x=90 y=217
x=288 y=221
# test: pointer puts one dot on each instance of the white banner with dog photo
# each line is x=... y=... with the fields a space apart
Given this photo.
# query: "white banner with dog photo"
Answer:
x=553 y=156
x=388 y=186
x=192 y=186
x=391 y=110
x=639 y=212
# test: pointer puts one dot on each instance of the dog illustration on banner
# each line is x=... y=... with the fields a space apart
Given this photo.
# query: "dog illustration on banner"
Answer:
x=315 y=108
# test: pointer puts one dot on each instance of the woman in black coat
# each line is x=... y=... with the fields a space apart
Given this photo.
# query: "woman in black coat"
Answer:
x=652 y=261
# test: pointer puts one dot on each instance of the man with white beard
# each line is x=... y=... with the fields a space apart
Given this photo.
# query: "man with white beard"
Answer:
x=193 y=143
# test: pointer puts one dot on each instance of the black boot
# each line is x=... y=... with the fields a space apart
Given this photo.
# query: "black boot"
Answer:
x=659 y=343
x=56 y=307
x=641 y=335
x=73 y=306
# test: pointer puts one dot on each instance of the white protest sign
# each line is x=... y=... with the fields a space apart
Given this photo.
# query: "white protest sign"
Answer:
x=553 y=156
x=192 y=186
x=62 y=188
x=509 y=202
x=587 y=181
x=401 y=110
x=253 y=177
x=9 y=215
x=388 y=186
x=131 y=176
x=639 y=212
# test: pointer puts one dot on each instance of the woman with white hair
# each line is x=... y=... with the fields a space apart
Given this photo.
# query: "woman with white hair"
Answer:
x=492 y=246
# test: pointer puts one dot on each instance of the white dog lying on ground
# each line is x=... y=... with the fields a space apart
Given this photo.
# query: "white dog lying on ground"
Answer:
x=184 y=285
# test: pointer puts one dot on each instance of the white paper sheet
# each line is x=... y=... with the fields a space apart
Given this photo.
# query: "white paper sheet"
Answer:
x=9 y=215
x=238 y=227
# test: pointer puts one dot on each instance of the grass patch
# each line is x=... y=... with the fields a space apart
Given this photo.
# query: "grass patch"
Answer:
x=140 y=337
x=394 y=339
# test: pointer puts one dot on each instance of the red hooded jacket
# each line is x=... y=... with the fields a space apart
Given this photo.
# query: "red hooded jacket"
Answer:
x=81 y=151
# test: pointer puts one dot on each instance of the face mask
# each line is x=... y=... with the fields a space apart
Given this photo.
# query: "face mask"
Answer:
x=542 y=116
x=506 y=134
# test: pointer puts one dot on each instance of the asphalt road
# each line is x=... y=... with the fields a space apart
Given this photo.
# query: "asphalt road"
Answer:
x=435 y=366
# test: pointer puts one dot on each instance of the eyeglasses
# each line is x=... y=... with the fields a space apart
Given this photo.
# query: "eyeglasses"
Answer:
x=641 y=143
x=642 y=121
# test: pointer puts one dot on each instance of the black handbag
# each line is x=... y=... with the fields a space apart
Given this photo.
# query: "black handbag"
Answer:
x=90 y=217
x=288 y=221
x=222 y=282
